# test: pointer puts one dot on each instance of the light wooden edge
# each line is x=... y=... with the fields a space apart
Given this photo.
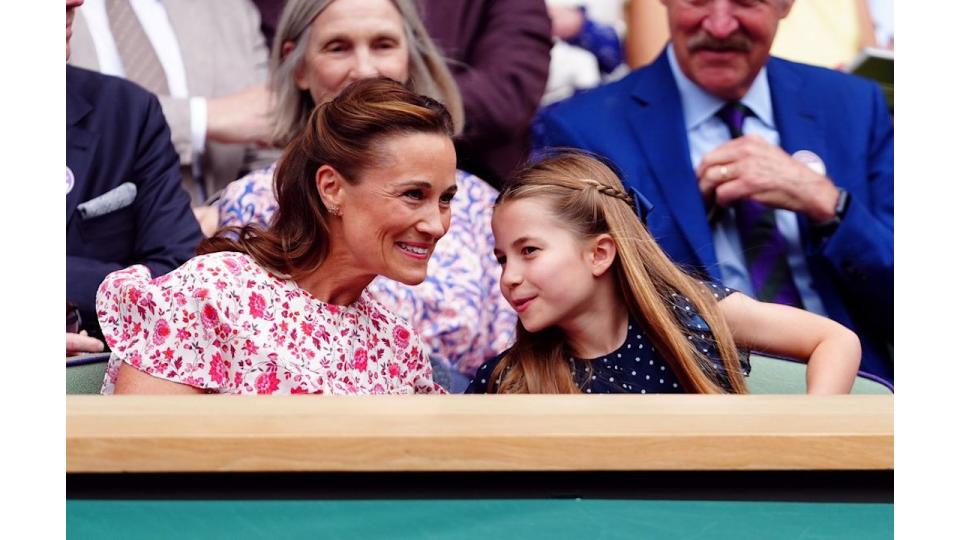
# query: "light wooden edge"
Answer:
x=477 y=433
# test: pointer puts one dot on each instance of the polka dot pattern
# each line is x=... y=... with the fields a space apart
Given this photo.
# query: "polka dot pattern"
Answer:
x=635 y=366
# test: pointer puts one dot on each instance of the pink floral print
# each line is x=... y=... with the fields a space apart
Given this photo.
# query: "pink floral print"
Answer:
x=222 y=323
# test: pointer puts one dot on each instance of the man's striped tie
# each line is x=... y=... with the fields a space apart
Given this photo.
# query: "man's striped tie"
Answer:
x=140 y=62
x=764 y=248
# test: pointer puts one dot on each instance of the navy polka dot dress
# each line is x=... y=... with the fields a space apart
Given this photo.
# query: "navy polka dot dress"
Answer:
x=636 y=366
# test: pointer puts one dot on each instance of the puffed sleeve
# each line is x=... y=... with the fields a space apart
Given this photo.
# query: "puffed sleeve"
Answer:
x=178 y=327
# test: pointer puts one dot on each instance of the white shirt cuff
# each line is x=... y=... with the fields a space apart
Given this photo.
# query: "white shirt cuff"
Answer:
x=198 y=124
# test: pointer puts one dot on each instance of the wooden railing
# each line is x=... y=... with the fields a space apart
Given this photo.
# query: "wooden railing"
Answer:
x=478 y=433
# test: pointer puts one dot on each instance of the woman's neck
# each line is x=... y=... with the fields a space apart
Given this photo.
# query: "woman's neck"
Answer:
x=601 y=328
x=336 y=280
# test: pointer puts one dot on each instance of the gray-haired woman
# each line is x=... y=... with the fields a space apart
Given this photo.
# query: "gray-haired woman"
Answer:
x=320 y=47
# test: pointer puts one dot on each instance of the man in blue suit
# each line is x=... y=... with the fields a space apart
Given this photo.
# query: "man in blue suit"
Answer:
x=773 y=177
x=125 y=205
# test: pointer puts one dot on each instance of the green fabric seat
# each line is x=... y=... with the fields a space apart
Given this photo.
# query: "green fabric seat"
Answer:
x=769 y=375
x=87 y=377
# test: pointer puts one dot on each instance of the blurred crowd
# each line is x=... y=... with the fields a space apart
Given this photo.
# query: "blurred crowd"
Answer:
x=189 y=124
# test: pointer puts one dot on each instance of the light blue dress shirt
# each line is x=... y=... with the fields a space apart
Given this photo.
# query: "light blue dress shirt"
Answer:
x=705 y=132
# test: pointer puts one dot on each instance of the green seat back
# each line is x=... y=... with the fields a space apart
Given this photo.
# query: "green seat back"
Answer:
x=86 y=379
x=770 y=375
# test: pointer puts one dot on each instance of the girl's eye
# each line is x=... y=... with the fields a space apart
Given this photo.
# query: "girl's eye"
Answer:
x=415 y=194
x=502 y=260
x=446 y=198
x=527 y=250
x=385 y=44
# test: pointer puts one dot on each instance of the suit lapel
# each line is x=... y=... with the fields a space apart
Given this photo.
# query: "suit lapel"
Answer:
x=659 y=127
x=81 y=144
x=797 y=117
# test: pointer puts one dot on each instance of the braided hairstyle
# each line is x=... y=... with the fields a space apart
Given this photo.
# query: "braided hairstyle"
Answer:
x=587 y=196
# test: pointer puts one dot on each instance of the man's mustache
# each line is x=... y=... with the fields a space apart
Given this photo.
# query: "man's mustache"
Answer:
x=704 y=41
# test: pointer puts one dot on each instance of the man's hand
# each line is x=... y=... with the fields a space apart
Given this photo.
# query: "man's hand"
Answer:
x=209 y=219
x=241 y=117
x=82 y=343
x=750 y=167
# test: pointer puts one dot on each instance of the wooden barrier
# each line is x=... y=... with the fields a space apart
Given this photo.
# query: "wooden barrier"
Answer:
x=478 y=433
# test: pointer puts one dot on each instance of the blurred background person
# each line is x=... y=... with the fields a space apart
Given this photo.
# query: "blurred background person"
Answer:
x=772 y=177
x=647 y=31
x=499 y=54
x=206 y=61
x=270 y=11
x=828 y=33
x=124 y=201
x=323 y=45
x=881 y=12
x=587 y=46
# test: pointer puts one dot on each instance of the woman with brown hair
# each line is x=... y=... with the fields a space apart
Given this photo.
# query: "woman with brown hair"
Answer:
x=320 y=47
x=364 y=190
x=603 y=309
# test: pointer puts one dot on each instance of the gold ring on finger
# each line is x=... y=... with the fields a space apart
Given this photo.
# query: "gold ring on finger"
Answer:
x=724 y=172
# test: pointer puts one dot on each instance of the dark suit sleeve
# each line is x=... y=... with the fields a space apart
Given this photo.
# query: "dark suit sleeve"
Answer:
x=861 y=250
x=507 y=70
x=549 y=131
x=165 y=230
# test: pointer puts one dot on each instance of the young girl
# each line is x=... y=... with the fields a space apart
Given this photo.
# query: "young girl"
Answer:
x=603 y=309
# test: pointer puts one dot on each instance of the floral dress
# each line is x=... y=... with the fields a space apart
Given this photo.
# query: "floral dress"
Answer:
x=224 y=324
x=458 y=311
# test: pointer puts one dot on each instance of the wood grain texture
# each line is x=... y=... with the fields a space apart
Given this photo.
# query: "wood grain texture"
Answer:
x=478 y=433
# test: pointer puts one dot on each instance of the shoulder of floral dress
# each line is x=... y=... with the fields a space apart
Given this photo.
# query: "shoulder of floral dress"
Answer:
x=229 y=266
x=118 y=279
x=378 y=310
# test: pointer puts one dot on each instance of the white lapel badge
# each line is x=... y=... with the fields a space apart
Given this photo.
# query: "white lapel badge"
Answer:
x=811 y=160
x=70 y=180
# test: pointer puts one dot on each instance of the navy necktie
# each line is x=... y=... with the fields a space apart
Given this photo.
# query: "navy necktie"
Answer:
x=764 y=248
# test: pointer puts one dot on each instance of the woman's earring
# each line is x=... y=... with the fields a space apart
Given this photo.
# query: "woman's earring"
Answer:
x=335 y=210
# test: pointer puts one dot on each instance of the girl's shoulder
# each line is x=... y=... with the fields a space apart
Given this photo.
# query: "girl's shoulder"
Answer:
x=718 y=290
x=687 y=312
x=480 y=382
x=700 y=333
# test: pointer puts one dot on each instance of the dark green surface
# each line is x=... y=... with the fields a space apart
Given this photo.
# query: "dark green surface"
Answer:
x=488 y=519
x=85 y=379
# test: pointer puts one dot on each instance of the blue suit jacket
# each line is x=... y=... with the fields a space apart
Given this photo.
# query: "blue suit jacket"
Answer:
x=638 y=123
x=116 y=133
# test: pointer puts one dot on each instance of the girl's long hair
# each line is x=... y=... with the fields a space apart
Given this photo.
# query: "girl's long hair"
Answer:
x=589 y=198
x=344 y=133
